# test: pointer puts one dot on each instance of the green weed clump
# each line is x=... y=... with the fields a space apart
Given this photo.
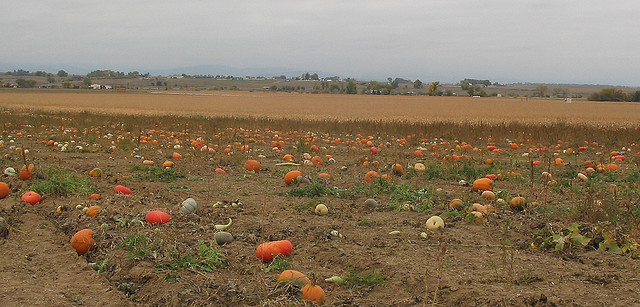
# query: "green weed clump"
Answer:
x=156 y=173
x=369 y=278
x=61 y=182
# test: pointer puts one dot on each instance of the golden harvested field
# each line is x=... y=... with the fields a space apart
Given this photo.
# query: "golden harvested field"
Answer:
x=157 y=199
x=311 y=106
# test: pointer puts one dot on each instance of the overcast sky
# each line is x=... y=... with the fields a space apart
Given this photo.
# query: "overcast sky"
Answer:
x=573 y=41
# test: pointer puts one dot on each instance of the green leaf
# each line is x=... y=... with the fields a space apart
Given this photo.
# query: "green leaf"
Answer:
x=609 y=244
x=559 y=240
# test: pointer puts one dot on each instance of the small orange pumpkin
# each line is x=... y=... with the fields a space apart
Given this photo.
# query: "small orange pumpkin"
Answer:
x=82 y=241
x=612 y=167
x=316 y=160
x=291 y=176
x=93 y=211
x=456 y=204
x=398 y=170
x=96 y=172
x=95 y=196
x=288 y=158
x=371 y=176
x=252 y=166
x=517 y=203
x=168 y=163
x=314 y=293
x=293 y=277
x=26 y=172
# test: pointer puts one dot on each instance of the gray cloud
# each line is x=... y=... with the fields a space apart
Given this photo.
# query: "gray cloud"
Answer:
x=538 y=41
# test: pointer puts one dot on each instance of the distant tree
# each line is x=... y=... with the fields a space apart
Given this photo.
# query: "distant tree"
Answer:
x=351 y=88
x=476 y=90
x=560 y=92
x=67 y=84
x=25 y=83
x=51 y=79
x=417 y=84
x=635 y=96
x=86 y=82
x=62 y=73
x=541 y=90
x=390 y=79
x=433 y=89
x=19 y=72
x=158 y=83
x=465 y=83
x=314 y=77
x=39 y=73
x=609 y=94
x=395 y=83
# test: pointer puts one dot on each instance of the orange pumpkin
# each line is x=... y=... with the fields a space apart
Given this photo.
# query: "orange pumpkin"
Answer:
x=517 y=203
x=252 y=166
x=82 y=241
x=456 y=204
x=371 y=176
x=314 y=293
x=156 y=217
x=31 y=197
x=4 y=189
x=26 y=172
x=168 y=164
x=96 y=172
x=94 y=196
x=483 y=184
x=316 y=160
x=611 y=167
x=288 y=158
x=291 y=176
x=293 y=277
x=176 y=156
x=418 y=153
x=267 y=250
x=93 y=211
x=398 y=169
x=120 y=189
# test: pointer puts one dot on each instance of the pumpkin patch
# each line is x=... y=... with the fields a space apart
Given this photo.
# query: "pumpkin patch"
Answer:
x=375 y=217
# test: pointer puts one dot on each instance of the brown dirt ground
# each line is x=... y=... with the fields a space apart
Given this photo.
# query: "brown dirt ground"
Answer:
x=482 y=265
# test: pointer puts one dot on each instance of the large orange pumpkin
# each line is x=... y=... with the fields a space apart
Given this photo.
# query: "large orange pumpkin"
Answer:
x=31 y=197
x=291 y=176
x=82 y=241
x=120 y=189
x=314 y=293
x=156 y=217
x=267 y=250
x=483 y=184
x=252 y=166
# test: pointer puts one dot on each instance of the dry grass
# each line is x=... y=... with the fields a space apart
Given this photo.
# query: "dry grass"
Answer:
x=330 y=107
